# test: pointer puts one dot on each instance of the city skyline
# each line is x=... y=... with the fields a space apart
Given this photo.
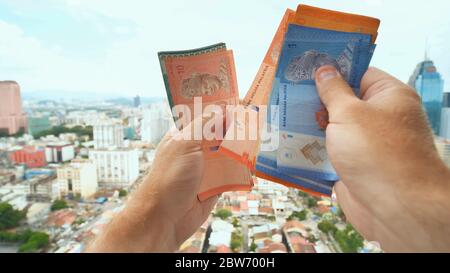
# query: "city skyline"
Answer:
x=112 y=50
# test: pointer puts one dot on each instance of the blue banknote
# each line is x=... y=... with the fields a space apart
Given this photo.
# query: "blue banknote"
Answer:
x=302 y=117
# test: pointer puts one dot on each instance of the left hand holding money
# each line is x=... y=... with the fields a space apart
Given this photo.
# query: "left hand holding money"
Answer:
x=164 y=211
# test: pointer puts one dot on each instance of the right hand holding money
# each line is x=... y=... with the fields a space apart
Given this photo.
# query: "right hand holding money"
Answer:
x=394 y=186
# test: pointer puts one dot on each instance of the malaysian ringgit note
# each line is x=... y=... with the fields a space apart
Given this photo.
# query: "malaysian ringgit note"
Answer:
x=302 y=118
x=267 y=166
x=206 y=75
x=246 y=150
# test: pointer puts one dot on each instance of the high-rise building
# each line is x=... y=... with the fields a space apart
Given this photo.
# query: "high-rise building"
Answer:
x=32 y=157
x=137 y=101
x=79 y=178
x=445 y=119
x=108 y=135
x=39 y=124
x=12 y=119
x=430 y=87
x=155 y=123
x=116 y=168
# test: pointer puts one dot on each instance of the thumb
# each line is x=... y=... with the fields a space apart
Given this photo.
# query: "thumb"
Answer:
x=333 y=90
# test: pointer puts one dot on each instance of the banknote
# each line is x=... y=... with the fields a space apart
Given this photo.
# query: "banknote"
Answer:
x=245 y=151
x=198 y=79
x=302 y=117
x=333 y=20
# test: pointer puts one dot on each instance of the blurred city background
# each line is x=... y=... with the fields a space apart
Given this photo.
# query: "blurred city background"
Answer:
x=82 y=109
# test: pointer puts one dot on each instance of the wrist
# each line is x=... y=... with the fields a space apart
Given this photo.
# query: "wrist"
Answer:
x=139 y=227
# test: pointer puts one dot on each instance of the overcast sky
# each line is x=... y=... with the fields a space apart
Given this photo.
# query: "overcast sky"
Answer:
x=110 y=46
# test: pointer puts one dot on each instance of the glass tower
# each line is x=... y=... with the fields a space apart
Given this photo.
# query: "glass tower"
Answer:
x=430 y=86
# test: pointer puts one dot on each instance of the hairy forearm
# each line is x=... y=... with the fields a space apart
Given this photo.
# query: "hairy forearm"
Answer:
x=139 y=227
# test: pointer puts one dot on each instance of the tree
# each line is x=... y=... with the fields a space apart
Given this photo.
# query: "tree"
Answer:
x=59 y=205
x=311 y=238
x=37 y=241
x=303 y=194
x=300 y=216
x=236 y=241
x=30 y=241
x=326 y=227
x=223 y=214
x=9 y=217
x=311 y=202
x=236 y=223
x=122 y=193
x=349 y=240
x=253 y=247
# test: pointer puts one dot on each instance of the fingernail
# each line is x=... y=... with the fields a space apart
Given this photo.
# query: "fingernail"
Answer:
x=326 y=73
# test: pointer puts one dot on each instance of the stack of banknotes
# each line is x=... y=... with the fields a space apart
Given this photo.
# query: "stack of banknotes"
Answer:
x=289 y=147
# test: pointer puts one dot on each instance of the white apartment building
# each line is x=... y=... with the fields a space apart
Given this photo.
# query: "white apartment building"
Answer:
x=59 y=152
x=107 y=135
x=155 y=123
x=78 y=178
x=116 y=168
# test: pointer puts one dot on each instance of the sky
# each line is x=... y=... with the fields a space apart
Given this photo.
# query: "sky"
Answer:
x=110 y=46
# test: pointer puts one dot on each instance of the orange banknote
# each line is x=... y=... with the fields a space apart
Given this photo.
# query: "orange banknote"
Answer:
x=334 y=20
x=245 y=151
x=195 y=80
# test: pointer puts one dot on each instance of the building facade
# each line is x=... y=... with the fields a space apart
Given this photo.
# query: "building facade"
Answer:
x=41 y=188
x=445 y=119
x=430 y=86
x=12 y=118
x=59 y=152
x=108 y=135
x=155 y=123
x=37 y=125
x=116 y=168
x=30 y=156
x=79 y=178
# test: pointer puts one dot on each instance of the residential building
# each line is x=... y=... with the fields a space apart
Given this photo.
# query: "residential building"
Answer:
x=155 y=123
x=108 y=135
x=116 y=168
x=31 y=156
x=78 y=178
x=41 y=188
x=59 y=152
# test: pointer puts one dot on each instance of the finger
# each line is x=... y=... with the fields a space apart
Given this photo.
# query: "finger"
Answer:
x=376 y=81
x=333 y=90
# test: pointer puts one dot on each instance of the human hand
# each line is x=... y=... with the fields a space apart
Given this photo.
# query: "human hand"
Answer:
x=164 y=211
x=395 y=188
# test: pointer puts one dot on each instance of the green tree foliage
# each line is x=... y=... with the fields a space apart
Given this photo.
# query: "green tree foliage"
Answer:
x=327 y=227
x=236 y=223
x=311 y=202
x=349 y=240
x=59 y=205
x=30 y=241
x=236 y=242
x=9 y=217
x=122 y=193
x=223 y=214
x=37 y=241
x=253 y=247
x=298 y=215
x=58 y=130
x=311 y=238
x=303 y=194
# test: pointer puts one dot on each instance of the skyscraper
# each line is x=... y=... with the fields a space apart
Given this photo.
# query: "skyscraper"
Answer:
x=445 y=120
x=12 y=119
x=137 y=101
x=430 y=87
